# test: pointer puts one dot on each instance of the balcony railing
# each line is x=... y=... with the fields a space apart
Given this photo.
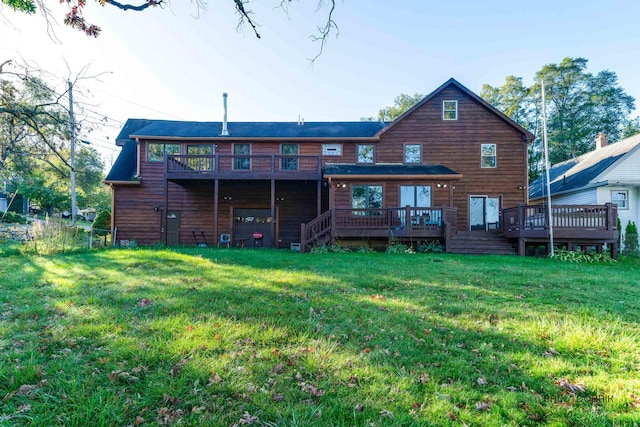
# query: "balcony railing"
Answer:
x=242 y=167
x=570 y=221
x=407 y=222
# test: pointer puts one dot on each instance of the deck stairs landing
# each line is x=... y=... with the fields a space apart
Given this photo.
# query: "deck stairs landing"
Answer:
x=480 y=242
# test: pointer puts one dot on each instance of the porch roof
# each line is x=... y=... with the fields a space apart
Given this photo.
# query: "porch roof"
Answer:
x=434 y=171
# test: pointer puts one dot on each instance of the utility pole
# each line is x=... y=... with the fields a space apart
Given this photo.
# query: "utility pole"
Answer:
x=72 y=158
x=547 y=165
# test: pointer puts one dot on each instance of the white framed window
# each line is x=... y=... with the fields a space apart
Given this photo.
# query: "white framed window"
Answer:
x=488 y=158
x=620 y=198
x=413 y=153
x=366 y=153
x=449 y=110
x=332 y=149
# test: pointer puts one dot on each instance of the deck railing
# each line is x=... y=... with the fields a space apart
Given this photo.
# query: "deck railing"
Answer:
x=406 y=222
x=532 y=220
x=213 y=165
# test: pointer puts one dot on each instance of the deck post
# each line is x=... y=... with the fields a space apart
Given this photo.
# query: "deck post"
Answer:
x=319 y=199
x=163 y=219
x=521 y=247
x=273 y=212
x=303 y=238
x=216 y=189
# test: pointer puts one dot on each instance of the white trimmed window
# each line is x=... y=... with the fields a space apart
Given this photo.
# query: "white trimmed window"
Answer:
x=449 y=110
x=620 y=198
x=488 y=158
x=413 y=153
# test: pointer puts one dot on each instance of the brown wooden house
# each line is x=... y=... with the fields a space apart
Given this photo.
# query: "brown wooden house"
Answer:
x=443 y=171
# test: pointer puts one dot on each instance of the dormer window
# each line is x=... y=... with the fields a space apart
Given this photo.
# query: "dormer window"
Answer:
x=449 y=110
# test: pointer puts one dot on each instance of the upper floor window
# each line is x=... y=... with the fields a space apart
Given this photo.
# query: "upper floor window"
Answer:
x=413 y=153
x=488 y=156
x=620 y=198
x=365 y=153
x=241 y=159
x=156 y=152
x=289 y=163
x=200 y=157
x=449 y=110
x=331 y=149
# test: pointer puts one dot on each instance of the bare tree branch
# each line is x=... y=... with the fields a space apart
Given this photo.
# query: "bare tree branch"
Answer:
x=244 y=16
x=325 y=31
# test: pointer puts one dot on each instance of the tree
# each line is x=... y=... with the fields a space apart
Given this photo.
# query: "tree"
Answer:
x=402 y=103
x=580 y=105
x=75 y=17
x=34 y=140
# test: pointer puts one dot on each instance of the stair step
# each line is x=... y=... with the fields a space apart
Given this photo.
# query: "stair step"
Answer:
x=480 y=242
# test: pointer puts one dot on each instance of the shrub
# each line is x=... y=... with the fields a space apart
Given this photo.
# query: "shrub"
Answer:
x=433 y=246
x=53 y=236
x=329 y=249
x=366 y=250
x=581 y=257
x=13 y=218
x=399 y=248
x=102 y=223
x=631 y=238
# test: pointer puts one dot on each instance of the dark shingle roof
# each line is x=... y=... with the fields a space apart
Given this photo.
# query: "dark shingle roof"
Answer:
x=124 y=168
x=388 y=169
x=182 y=129
x=579 y=172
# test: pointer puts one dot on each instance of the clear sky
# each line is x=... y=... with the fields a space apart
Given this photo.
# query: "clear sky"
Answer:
x=170 y=64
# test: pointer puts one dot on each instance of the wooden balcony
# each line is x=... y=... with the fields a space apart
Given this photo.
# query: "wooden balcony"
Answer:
x=577 y=223
x=221 y=166
x=400 y=223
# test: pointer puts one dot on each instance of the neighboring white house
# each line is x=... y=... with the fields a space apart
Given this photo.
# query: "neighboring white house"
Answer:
x=608 y=174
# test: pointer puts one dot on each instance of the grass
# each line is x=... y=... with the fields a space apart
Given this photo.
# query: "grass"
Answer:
x=261 y=337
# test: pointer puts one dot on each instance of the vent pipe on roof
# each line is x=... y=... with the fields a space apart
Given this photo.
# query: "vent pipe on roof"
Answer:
x=225 y=131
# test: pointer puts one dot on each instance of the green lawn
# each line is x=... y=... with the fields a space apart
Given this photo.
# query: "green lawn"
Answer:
x=228 y=337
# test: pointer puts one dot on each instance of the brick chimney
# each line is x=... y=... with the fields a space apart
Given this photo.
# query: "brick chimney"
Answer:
x=601 y=141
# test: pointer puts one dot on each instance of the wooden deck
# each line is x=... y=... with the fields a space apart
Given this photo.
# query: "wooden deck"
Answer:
x=574 y=226
x=221 y=166
x=399 y=223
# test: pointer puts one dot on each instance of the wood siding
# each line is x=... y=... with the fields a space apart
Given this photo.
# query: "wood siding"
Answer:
x=456 y=144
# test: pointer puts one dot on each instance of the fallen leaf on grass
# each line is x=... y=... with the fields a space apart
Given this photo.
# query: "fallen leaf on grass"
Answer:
x=121 y=377
x=551 y=352
x=566 y=385
x=144 y=302
x=25 y=407
x=385 y=413
x=168 y=417
x=482 y=381
x=482 y=406
x=246 y=419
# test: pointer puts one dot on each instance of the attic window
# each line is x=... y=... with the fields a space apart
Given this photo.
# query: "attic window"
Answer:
x=449 y=110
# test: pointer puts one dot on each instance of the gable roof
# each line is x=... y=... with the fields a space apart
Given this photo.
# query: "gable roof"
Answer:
x=580 y=172
x=528 y=136
x=172 y=129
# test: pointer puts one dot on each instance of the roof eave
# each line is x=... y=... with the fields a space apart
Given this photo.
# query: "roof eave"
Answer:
x=394 y=177
x=262 y=138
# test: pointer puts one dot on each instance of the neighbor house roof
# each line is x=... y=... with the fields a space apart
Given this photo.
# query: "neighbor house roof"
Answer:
x=527 y=136
x=580 y=172
x=171 y=129
x=399 y=170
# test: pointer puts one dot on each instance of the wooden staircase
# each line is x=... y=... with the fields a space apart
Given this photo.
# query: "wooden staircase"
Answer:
x=480 y=242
